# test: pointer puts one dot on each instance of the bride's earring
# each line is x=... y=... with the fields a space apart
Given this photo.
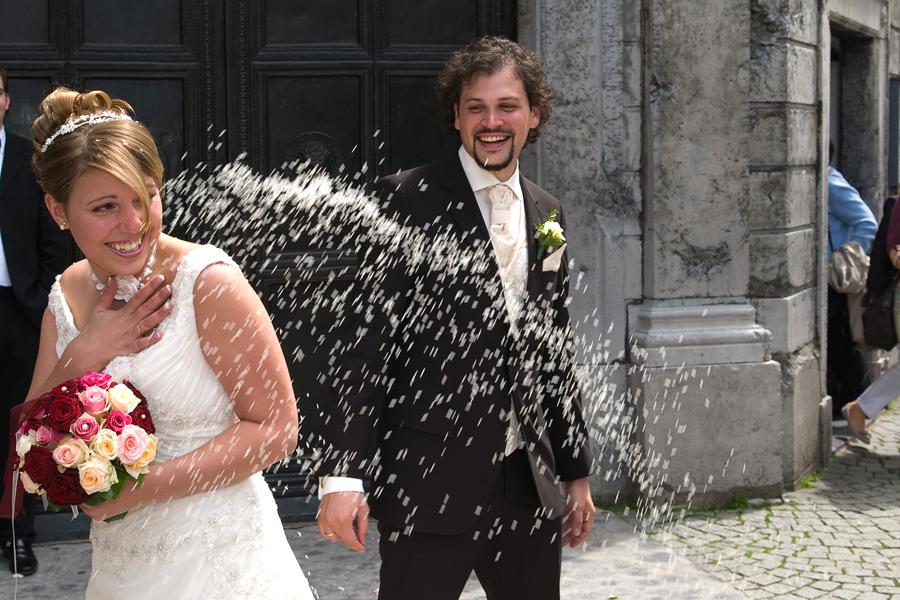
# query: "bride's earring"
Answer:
x=63 y=226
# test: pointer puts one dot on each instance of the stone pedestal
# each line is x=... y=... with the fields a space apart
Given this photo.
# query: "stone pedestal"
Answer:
x=708 y=403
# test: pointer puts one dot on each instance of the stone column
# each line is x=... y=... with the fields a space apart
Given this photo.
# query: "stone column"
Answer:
x=708 y=394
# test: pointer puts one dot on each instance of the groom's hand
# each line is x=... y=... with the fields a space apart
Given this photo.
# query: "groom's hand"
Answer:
x=578 y=515
x=344 y=517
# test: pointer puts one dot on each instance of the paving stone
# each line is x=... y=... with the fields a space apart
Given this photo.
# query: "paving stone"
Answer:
x=892 y=590
x=842 y=594
x=825 y=585
x=758 y=594
x=764 y=579
x=781 y=588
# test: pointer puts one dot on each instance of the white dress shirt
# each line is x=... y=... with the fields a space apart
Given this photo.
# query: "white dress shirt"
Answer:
x=5 y=280
x=479 y=180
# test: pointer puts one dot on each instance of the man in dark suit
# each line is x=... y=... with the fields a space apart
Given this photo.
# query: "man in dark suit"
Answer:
x=32 y=253
x=461 y=363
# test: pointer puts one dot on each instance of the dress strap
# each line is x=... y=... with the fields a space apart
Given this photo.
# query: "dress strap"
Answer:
x=193 y=263
x=65 y=322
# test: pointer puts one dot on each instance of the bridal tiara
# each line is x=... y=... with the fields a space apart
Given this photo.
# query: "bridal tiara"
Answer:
x=89 y=119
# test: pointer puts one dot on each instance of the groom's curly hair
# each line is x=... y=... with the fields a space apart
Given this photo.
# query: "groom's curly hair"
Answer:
x=486 y=56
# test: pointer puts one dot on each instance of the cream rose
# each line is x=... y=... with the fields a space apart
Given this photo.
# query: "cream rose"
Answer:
x=143 y=464
x=97 y=475
x=24 y=443
x=553 y=229
x=123 y=399
x=133 y=442
x=71 y=453
x=30 y=486
x=106 y=444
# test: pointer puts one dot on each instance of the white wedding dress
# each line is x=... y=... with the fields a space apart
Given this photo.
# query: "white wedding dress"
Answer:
x=224 y=544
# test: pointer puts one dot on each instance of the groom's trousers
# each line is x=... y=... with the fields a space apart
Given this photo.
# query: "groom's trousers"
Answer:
x=513 y=549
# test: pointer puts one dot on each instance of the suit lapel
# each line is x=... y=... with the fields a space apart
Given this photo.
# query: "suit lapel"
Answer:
x=462 y=204
x=535 y=212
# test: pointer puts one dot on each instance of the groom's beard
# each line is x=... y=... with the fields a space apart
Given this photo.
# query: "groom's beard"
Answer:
x=498 y=165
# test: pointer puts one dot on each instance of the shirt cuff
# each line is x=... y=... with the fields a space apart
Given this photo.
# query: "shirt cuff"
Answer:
x=330 y=484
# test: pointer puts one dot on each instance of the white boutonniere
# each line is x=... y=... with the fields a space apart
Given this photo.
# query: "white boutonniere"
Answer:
x=551 y=242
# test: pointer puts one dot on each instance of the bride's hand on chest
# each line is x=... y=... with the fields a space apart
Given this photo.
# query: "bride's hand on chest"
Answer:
x=110 y=332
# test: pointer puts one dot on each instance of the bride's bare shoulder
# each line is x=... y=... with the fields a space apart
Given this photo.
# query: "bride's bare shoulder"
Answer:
x=76 y=279
x=170 y=253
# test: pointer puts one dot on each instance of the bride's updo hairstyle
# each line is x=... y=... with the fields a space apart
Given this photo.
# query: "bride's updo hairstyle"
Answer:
x=77 y=132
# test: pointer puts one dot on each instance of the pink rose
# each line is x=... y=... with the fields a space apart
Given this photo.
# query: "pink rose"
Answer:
x=117 y=420
x=85 y=427
x=101 y=380
x=94 y=399
x=45 y=435
x=133 y=442
x=72 y=453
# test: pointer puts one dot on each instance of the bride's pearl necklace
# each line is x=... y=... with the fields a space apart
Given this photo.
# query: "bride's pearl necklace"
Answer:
x=129 y=285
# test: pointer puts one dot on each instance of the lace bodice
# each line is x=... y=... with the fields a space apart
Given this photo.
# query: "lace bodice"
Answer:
x=186 y=400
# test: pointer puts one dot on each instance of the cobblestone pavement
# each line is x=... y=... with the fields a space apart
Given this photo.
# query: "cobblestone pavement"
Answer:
x=838 y=538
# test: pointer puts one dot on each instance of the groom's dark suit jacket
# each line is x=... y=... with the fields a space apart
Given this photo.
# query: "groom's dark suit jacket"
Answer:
x=430 y=367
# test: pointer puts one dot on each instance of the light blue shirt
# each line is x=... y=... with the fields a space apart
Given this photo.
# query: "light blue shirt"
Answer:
x=849 y=218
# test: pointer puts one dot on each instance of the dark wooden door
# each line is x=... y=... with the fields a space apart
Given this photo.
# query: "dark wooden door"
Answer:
x=339 y=82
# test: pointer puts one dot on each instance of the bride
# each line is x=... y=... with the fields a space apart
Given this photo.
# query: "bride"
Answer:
x=180 y=322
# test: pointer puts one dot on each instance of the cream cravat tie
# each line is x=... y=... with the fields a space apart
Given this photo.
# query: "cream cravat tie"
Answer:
x=512 y=257
x=509 y=245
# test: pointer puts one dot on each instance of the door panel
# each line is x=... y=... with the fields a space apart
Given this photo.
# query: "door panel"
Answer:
x=322 y=107
x=158 y=103
x=414 y=23
x=156 y=23
x=412 y=115
x=324 y=24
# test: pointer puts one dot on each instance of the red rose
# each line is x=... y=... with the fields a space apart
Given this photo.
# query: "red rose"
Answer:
x=63 y=412
x=140 y=416
x=37 y=414
x=65 y=489
x=66 y=388
x=135 y=391
x=40 y=466
x=117 y=420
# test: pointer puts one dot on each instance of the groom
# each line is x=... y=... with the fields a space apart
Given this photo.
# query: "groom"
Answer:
x=462 y=368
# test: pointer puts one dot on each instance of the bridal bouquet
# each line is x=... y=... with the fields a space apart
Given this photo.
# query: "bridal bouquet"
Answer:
x=81 y=442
